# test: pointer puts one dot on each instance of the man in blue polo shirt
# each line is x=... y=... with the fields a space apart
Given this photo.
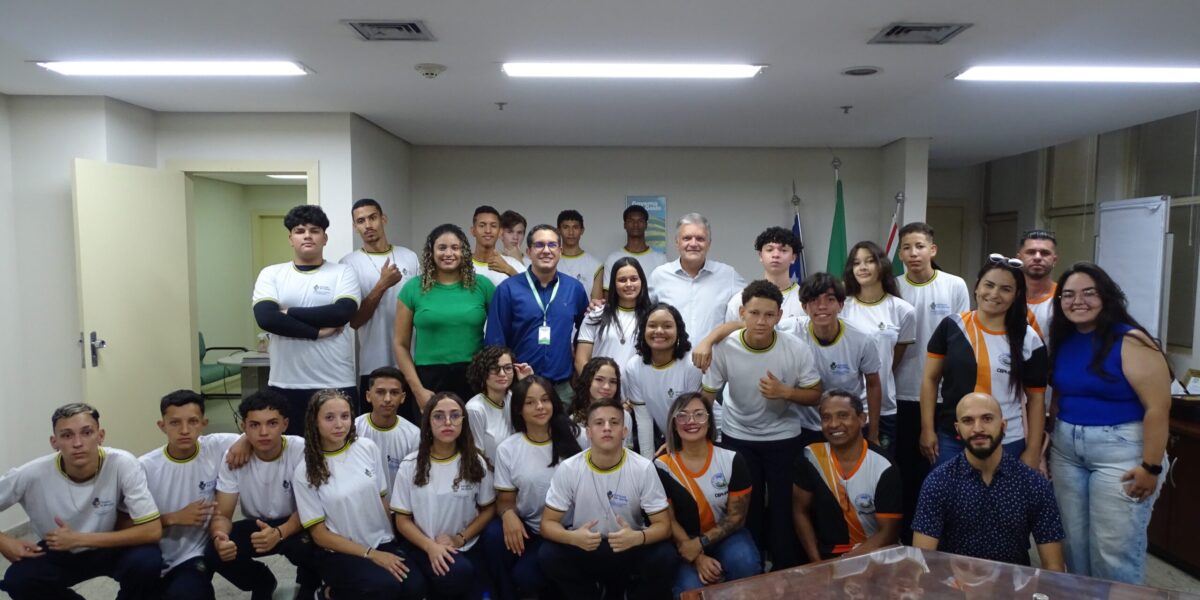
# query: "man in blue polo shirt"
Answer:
x=985 y=503
x=536 y=312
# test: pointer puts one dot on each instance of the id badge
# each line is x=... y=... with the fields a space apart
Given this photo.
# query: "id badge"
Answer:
x=544 y=335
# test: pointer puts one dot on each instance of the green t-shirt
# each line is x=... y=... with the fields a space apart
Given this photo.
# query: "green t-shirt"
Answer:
x=448 y=320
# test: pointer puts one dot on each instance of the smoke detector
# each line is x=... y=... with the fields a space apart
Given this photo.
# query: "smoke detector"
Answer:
x=430 y=70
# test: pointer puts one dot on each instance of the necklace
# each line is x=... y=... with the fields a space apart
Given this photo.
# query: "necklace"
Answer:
x=608 y=506
x=391 y=256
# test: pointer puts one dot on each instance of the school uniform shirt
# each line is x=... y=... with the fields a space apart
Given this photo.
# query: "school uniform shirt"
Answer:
x=790 y=308
x=375 y=336
x=583 y=267
x=310 y=364
x=843 y=363
x=617 y=341
x=175 y=483
x=265 y=488
x=648 y=259
x=496 y=277
x=394 y=443
x=349 y=502
x=747 y=414
x=977 y=359
x=890 y=322
x=442 y=506
x=1042 y=310
x=702 y=300
x=943 y=295
x=700 y=499
x=846 y=510
x=523 y=466
x=626 y=490
x=490 y=423
x=585 y=443
x=44 y=490
x=657 y=387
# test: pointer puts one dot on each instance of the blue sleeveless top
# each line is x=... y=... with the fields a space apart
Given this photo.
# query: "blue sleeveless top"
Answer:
x=1084 y=397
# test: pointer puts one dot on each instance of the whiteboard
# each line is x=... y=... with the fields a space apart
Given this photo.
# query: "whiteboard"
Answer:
x=1131 y=245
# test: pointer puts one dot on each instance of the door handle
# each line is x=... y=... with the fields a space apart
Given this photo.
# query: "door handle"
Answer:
x=97 y=346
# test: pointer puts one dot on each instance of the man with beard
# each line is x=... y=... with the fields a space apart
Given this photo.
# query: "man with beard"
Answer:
x=1038 y=250
x=985 y=503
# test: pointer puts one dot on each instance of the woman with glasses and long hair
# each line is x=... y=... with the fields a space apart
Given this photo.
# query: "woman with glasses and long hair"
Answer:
x=446 y=308
x=443 y=498
x=341 y=496
x=994 y=350
x=661 y=371
x=491 y=373
x=874 y=305
x=525 y=463
x=709 y=489
x=612 y=330
x=1108 y=447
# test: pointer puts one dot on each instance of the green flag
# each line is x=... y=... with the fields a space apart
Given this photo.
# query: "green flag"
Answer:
x=837 y=238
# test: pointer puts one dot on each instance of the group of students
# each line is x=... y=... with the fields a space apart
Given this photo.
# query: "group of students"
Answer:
x=665 y=431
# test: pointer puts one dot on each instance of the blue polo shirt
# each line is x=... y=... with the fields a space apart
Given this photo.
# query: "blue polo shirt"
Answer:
x=994 y=521
x=514 y=318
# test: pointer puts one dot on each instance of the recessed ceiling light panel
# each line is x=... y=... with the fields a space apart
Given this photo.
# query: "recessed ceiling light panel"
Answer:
x=175 y=68
x=289 y=176
x=632 y=70
x=1063 y=74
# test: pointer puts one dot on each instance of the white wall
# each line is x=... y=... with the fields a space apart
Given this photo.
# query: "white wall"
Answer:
x=380 y=170
x=905 y=169
x=129 y=134
x=11 y=438
x=741 y=190
x=323 y=137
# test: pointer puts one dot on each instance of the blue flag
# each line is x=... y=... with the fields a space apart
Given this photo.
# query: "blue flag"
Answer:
x=796 y=271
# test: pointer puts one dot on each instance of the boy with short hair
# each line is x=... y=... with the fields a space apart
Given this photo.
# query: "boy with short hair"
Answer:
x=395 y=437
x=634 y=219
x=487 y=260
x=776 y=248
x=577 y=263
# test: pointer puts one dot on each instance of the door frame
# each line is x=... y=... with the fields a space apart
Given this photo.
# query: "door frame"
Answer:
x=308 y=167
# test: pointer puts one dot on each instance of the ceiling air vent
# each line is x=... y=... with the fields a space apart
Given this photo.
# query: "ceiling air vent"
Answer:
x=392 y=31
x=918 y=33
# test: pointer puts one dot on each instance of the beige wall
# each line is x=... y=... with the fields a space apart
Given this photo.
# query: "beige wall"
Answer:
x=380 y=170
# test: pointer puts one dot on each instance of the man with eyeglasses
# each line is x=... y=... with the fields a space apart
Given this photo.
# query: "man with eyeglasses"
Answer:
x=536 y=313
x=635 y=218
x=1038 y=252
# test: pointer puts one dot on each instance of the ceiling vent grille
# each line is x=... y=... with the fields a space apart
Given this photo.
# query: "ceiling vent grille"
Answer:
x=918 y=33
x=391 y=31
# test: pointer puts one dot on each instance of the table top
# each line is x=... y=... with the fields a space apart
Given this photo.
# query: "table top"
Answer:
x=907 y=573
x=246 y=359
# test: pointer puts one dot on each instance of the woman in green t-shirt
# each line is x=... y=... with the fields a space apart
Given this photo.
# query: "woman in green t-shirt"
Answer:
x=447 y=308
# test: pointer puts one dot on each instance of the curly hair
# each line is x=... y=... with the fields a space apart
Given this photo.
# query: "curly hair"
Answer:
x=883 y=270
x=583 y=386
x=563 y=431
x=485 y=359
x=466 y=270
x=468 y=470
x=314 y=457
x=682 y=345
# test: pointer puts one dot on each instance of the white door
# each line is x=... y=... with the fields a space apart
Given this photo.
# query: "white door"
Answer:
x=135 y=292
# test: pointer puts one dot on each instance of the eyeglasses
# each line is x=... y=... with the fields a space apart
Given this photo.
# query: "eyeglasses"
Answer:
x=1001 y=259
x=1089 y=296
x=442 y=418
x=1038 y=234
x=496 y=369
x=545 y=245
x=699 y=417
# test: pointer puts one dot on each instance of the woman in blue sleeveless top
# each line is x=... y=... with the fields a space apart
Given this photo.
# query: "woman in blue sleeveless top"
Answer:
x=1108 y=449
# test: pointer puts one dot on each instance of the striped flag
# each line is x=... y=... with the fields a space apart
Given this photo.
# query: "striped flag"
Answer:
x=893 y=241
x=796 y=271
x=836 y=262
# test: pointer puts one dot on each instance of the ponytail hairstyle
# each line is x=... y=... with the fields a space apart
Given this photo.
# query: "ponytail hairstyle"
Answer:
x=469 y=466
x=1016 y=323
x=316 y=468
x=563 y=432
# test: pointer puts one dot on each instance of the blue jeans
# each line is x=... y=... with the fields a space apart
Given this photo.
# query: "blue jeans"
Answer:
x=738 y=557
x=950 y=446
x=1106 y=529
x=887 y=436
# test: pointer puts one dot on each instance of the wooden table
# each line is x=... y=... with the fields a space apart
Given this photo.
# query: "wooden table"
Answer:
x=906 y=573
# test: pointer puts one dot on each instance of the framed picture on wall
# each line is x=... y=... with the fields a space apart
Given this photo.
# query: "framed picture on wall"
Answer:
x=656 y=227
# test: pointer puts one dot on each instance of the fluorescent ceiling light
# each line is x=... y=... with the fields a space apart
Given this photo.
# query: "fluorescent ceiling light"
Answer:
x=297 y=176
x=175 y=68
x=632 y=70
x=1082 y=74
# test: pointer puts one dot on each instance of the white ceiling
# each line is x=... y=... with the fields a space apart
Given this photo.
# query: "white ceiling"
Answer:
x=794 y=104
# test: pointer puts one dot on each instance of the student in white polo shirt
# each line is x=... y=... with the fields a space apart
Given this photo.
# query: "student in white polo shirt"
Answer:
x=395 y=437
x=443 y=498
x=635 y=218
x=776 y=248
x=263 y=489
x=700 y=288
x=611 y=493
x=659 y=373
x=525 y=463
x=769 y=377
x=576 y=262
x=488 y=261
x=182 y=477
x=491 y=374
x=341 y=493
x=305 y=305
x=73 y=498
x=612 y=330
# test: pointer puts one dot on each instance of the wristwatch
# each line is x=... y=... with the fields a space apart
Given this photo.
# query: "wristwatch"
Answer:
x=703 y=541
x=1152 y=469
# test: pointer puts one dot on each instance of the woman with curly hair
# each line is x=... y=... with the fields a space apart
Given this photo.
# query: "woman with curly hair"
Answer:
x=660 y=372
x=491 y=373
x=341 y=496
x=443 y=498
x=446 y=307
x=600 y=379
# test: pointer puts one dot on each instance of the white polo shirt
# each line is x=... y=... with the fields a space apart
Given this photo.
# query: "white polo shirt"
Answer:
x=265 y=487
x=747 y=415
x=657 y=387
x=482 y=268
x=648 y=259
x=350 y=501
x=890 y=323
x=602 y=495
x=490 y=424
x=442 y=507
x=375 y=336
x=395 y=442
x=701 y=300
x=790 y=308
x=523 y=466
x=842 y=364
x=583 y=267
x=617 y=341
x=941 y=296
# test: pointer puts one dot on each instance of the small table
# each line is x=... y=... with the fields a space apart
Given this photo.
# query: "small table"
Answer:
x=255 y=366
x=907 y=573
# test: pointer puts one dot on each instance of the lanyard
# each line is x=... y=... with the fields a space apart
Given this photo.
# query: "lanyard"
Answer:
x=538 y=297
